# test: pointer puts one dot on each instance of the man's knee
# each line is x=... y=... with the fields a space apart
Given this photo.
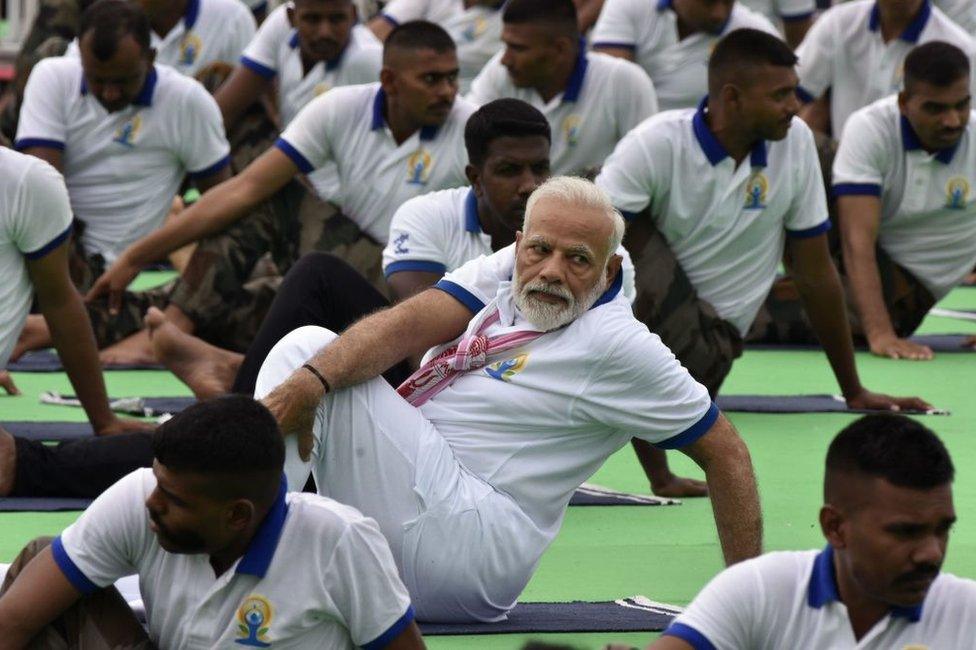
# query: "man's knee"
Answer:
x=295 y=349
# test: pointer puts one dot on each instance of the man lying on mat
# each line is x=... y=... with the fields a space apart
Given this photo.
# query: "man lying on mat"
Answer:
x=887 y=514
x=224 y=555
x=538 y=372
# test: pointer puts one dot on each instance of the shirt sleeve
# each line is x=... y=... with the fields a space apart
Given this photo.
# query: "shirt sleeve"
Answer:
x=261 y=54
x=617 y=25
x=366 y=588
x=109 y=538
x=638 y=99
x=242 y=29
x=858 y=165
x=203 y=147
x=815 y=66
x=795 y=9
x=417 y=239
x=475 y=283
x=306 y=139
x=401 y=11
x=628 y=175
x=365 y=67
x=42 y=211
x=808 y=212
x=489 y=84
x=43 y=122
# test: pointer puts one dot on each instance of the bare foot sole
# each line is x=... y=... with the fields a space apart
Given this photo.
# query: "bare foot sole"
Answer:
x=679 y=487
x=34 y=336
x=8 y=463
x=136 y=349
x=208 y=370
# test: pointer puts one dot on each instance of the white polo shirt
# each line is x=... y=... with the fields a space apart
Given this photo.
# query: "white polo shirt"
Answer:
x=477 y=30
x=441 y=231
x=928 y=201
x=274 y=52
x=123 y=168
x=961 y=12
x=317 y=574
x=35 y=218
x=789 y=600
x=725 y=225
x=844 y=51
x=679 y=68
x=785 y=10
x=585 y=124
x=346 y=126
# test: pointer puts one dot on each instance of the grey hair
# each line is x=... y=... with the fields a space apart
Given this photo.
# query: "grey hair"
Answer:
x=583 y=193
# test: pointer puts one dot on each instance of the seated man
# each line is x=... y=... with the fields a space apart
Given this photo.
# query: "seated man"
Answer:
x=672 y=41
x=224 y=555
x=796 y=16
x=483 y=447
x=903 y=177
x=887 y=514
x=590 y=99
x=856 y=51
x=714 y=195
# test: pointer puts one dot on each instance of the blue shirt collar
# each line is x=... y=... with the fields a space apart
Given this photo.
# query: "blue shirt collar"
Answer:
x=191 y=15
x=914 y=29
x=664 y=5
x=331 y=64
x=612 y=290
x=823 y=588
x=713 y=149
x=471 y=221
x=379 y=107
x=910 y=141
x=261 y=550
x=145 y=96
x=575 y=83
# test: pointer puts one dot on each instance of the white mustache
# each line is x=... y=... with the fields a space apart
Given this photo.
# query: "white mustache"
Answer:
x=550 y=289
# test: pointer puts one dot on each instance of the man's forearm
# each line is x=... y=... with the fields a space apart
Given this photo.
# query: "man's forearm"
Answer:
x=866 y=289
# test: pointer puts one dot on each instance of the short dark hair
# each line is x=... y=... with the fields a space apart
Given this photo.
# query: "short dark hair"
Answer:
x=111 y=21
x=937 y=63
x=419 y=35
x=747 y=47
x=561 y=13
x=893 y=447
x=498 y=119
x=232 y=437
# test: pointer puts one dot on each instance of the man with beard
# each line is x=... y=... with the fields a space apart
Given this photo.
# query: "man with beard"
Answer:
x=538 y=372
x=224 y=555
x=887 y=514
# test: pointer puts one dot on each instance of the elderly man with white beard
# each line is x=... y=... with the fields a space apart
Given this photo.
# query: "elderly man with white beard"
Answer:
x=537 y=371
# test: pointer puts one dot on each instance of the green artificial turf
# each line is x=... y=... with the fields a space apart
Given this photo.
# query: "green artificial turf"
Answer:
x=665 y=553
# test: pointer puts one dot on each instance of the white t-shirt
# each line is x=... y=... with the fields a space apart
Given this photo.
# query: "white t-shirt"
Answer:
x=679 y=68
x=928 y=202
x=477 y=30
x=35 y=218
x=844 y=51
x=725 y=225
x=346 y=126
x=785 y=10
x=317 y=574
x=536 y=425
x=123 y=168
x=275 y=51
x=961 y=12
x=585 y=124
x=788 y=600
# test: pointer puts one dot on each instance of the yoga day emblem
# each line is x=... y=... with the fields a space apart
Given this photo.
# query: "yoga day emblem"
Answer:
x=254 y=620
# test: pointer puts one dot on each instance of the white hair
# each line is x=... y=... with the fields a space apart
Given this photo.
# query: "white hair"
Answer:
x=578 y=192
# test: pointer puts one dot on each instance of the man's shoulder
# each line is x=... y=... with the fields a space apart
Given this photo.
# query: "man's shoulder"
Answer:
x=58 y=68
x=219 y=10
x=843 y=14
x=276 y=26
x=22 y=173
x=321 y=518
x=943 y=28
x=346 y=103
x=952 y=591
x=460 y=112
x=667 y=128
x=612 y=68
x=362 y=39
x=439 y=206
x=744 y=17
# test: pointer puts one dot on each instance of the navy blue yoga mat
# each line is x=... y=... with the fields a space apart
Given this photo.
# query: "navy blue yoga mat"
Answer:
x=48 y=361
x=32 y=504
x=941 y=343
x=793 y=404
x=49 y=431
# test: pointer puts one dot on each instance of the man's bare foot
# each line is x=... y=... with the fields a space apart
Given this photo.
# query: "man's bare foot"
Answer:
x=8 y=463
x=136 y=349
x=34 y=336
x=208 y=370
x=678 y=486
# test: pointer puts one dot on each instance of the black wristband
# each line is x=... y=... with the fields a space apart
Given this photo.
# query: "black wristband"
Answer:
x=318 y=374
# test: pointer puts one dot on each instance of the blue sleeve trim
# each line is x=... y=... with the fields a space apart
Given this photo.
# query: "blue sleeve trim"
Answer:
x=74 y=575
x=857 y=189
x=795 y=18
x=461 y=294
x=212 y=169
x=627 y=46
x=414 y=265
x=804 y=95
x=384 y=639
x=692 y=433
x=390 y=19
x=27 y=143
x=689 y=635
x=50 y=246
x=296 y=157
x=258 y=68
x=628 y=216
x=819 y=229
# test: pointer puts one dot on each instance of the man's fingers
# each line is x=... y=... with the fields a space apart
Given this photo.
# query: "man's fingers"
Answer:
x=114 y=301
x=97 y=290
x=7 y=383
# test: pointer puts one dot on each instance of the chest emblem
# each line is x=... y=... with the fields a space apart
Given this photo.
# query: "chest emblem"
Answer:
x=475 y=29
x=571 y=129
x=190 y=48
x=321 y=88
x=957 y=193
x=756 y=188
x=254 y=622
x=505 y=370
x=418 y=167
x=128 y=132
x=400 y=244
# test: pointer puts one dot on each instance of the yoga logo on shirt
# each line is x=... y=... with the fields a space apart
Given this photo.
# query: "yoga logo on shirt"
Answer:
x=571 y=129
x=756 y=188
x=505 y=370
x=127 y=133
x=190 y=48
x=254 y=621
x=418 y=167
x=321 y=88
x=957 y=193
x=475 y=29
